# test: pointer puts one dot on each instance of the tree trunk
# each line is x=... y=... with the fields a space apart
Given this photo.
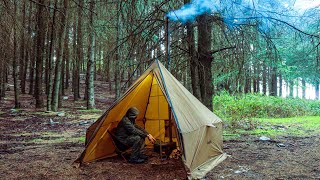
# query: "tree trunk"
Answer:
x=22 y=50
x=297 y=88
x=50 y=64
x=303 y=89
x=79 y=59
x=193 y=59
x=258 y=77
x=291 y=84
x=63 y=66
x=14 y=63
x=255 y=78
x=98 y=62
x=66 y=57
x=90 y=67
x=32 y=65
x=117 y=75
x=2 y=76
x=108 y=69
x=39 y=56
x=273 y=88
x=247 y=87
x=30 y=51
x=3 y=66
x=97 y=59
x=280 y=85
x=264 y=79
x=57 y=79
x=205 y=59
x=74 y=52
x=317 y=90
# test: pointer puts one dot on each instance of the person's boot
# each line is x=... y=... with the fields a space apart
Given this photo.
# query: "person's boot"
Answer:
x=144 y=157
x=136 y=160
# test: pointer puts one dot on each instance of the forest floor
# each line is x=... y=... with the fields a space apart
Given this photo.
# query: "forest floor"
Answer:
x=35 y=144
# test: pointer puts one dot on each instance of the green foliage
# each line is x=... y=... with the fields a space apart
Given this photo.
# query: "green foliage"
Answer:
x=248 y=106
x=272 y=127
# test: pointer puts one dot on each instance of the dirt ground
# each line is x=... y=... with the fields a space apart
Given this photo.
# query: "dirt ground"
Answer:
x=35 y=144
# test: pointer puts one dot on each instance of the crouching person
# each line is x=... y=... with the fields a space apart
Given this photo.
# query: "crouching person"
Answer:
x=133 y=135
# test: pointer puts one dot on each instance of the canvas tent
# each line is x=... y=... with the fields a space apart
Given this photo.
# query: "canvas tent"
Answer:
x=160 y=97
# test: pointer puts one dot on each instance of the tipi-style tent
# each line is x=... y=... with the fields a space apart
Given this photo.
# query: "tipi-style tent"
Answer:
x=161 y=97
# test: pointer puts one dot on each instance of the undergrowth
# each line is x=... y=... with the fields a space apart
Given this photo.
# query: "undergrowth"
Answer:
x=272 y=127
x=255 y=114
x=248 y=106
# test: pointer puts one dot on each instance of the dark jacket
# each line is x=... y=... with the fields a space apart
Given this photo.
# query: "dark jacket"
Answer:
x=127 y=128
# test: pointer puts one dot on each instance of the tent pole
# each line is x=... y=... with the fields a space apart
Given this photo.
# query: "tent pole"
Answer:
x=170 y=124
x=159 y=121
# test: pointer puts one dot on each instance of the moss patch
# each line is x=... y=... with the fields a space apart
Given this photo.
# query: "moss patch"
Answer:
x=49 y=141
x=90 y=110
x=45 y=113
x=79 y=139
x=89 y=116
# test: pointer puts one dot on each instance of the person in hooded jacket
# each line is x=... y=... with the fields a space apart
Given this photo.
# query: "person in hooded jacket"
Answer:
x=133 y=135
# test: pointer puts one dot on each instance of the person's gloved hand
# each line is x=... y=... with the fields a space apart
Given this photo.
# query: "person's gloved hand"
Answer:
x=151 y=138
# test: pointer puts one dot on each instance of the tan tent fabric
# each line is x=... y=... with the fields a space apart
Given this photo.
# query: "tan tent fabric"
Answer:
x=197 y=131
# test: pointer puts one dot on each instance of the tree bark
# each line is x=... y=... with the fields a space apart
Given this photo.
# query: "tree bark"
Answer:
x=192 y=58
x=255 y=78
x=14 y=63
x=39 y=56
x=3 y=67
x=50 y=63
x=280 y=85
x=63 y=72
x=317 y=92
x=264 y=79
x=258 y=77
x=291 y=84
x=247 y=87
x=297 y=88
x=74 y=53
x=117 y=76
x=108 y=70
x=273 y=88
x=57 y=79
x=97 y=66
x=32 y=66
x=76 y=90
x=1 y=77
x=205 y=60
x=22 y=50
x=97 y=59
x=66 y=59
x=303 y=89
x=90 y=65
